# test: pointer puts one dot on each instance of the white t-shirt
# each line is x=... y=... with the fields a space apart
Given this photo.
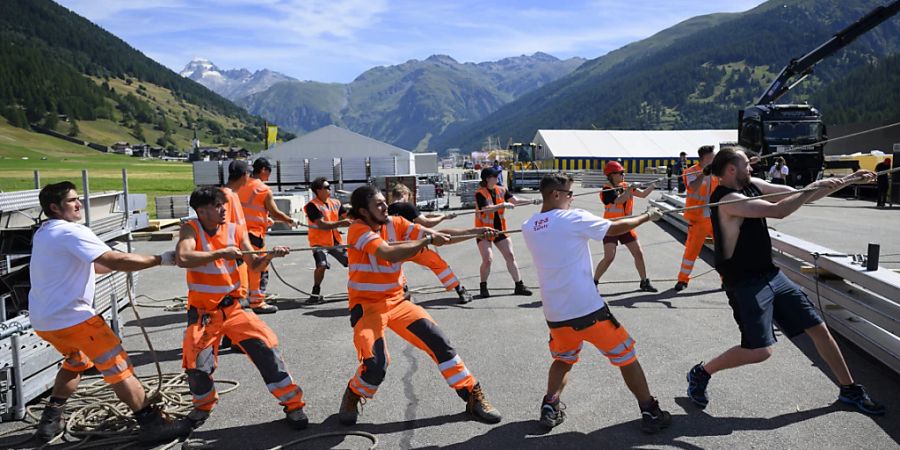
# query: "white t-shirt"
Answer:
x=62 y=274
x=558 y=242
x=775 y=173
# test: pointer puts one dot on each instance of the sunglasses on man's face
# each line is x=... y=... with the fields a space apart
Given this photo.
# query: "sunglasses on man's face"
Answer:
x=568 y=193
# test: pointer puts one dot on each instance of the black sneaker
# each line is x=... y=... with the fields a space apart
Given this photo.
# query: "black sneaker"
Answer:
x=484 y=290
x=647 y=287
x=52 y=422
x=856 y=395
x=297 y=418
x=697 y=380
x=265 y=308
x=479 y=407
x=654 y=419
x=680 y=286
x=464 y=295
x=521 y=289
x=315 y=300
x=552 y=414
x=153 y=427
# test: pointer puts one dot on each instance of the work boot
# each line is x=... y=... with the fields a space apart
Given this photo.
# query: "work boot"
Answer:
x=464 y=295
x=297 y=418
x=315 y=298
x=479 y=407
x=654 y=419
x=521 y=289
x=680 y=286
x=647 y=287
x=153 y=427
x=351 y=405
x=52 y=422
x=484 y=290
x=265 y=308
x=552 y=414
x=197 y=417
x=856 y=395
x=697 y=380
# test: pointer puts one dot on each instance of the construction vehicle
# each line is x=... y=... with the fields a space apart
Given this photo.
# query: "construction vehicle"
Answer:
x=797 y=130
x=523 y=172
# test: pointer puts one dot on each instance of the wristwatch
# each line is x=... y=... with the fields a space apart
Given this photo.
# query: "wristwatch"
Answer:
x=429 y=239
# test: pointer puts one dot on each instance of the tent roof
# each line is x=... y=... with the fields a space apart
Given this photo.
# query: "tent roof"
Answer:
x=629 y=143
x=332 y=142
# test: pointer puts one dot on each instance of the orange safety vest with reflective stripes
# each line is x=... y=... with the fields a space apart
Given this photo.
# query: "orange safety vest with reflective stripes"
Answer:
x=486 y=219
x=614 y=210
x=210 y=283
x=321 y=237
x=234 y=211
x=699 y=196
x=253 y=200
x=372 y=279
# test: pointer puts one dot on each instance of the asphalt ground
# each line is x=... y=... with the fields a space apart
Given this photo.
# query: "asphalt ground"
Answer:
x=788 y=401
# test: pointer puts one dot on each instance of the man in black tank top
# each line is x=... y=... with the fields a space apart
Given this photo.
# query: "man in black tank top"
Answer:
x=758 y=293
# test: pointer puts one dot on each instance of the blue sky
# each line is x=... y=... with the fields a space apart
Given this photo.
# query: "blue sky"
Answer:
x=336 y=40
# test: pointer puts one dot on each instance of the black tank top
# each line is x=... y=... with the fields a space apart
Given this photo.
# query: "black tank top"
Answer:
x=753 y=252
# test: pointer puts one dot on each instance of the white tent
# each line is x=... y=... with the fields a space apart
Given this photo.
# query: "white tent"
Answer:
x=635 y=149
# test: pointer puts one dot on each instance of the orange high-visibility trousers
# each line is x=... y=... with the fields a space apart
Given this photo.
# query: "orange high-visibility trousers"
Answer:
x=698 y=231
x=412 y=323
x=91 y=343
x=432 y=260
x=200 y=349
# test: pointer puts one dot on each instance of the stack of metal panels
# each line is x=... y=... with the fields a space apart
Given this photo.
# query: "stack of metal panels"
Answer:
x=354 y=169
x=425 y=192
x=208 y=173
x=172 y=206
x=466 y=191
x=383 y=166
x=321 y=167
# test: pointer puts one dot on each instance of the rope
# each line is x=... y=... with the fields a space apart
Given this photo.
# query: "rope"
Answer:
x=364 y=434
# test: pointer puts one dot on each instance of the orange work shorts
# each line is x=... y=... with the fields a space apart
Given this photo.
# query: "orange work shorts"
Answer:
x=88 y=344
x=614 y=342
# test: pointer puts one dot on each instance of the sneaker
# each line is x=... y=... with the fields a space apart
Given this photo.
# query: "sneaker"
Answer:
x=552 y=414
x=856 y=395
x=265 y=308
x=197 y=417
x=697 y=380
x=52 y=422
x=521 y=289
x=484 y=290
x=351 y=405
x=315 y=300
x=647 y=287
x=153 y=427
x=479 y=407
x=680 y=286
x=654 y=419
x=464 y=295
x=297 y=418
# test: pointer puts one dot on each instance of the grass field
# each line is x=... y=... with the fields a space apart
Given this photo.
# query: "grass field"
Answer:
x=22 y=152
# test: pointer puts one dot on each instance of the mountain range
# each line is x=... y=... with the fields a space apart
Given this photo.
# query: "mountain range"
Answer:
x=699 y=73
x=406 y=104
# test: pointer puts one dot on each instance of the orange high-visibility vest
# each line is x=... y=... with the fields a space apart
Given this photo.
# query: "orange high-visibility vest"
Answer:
x=614 y=210
x=373 y=279
x=699 y=196
x=210 y=283
x=253 y=200
x=320 y=237
x=486 y=219
x=234 y=211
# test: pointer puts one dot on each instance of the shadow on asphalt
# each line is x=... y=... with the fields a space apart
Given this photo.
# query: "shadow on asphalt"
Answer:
x=160 y=320
x=666 y=298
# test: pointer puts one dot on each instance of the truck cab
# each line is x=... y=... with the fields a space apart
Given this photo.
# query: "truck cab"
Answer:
x=768 y=129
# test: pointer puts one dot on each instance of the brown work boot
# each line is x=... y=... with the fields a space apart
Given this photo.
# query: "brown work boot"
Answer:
x=264 y=308
x=479 y=407
x=154 y=427
x=351 y=406
x=52 y=422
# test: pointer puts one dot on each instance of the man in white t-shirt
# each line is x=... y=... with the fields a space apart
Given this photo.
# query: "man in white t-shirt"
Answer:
x=557 y=238
x=65 y=259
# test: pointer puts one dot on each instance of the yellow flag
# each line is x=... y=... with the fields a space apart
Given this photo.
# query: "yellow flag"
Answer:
x=271 y=134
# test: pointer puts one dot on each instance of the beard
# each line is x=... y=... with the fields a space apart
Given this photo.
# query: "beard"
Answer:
x=743 y=180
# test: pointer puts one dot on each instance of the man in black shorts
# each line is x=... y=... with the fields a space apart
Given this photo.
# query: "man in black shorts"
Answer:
x=758 y=293
x=324 y=214
x=401 y=206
